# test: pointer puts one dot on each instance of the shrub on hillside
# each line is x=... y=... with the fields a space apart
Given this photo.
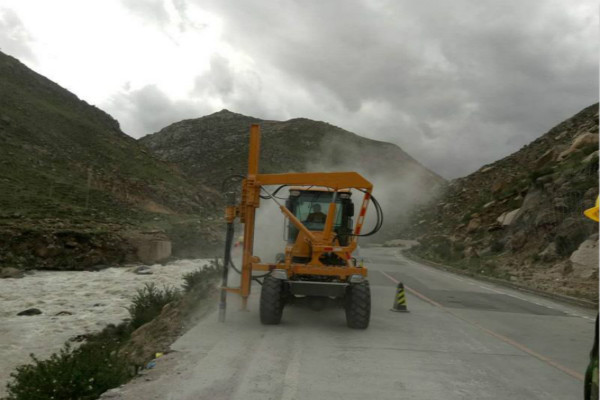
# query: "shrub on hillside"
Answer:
x=149 y=302
x=81 y=373
x=201 y=279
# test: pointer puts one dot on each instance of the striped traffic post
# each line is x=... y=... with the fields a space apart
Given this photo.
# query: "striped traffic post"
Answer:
x=400 y=299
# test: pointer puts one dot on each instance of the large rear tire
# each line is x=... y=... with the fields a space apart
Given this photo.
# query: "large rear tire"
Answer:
x=271 y=301
x=358 y=305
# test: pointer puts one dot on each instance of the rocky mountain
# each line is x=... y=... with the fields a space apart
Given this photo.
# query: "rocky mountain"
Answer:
x=73 y=185
x=212 y=147
x=521 y=218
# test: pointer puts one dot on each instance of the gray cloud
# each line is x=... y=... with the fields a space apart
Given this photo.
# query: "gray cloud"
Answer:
x=147 y=110
x=456 y=84
x=155 y=12
x=219 y=80
x=15 y=39
x=150 y=10
x=464 y=82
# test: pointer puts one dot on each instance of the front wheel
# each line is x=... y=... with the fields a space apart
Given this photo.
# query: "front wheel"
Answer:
x=271 y=301
x=358 y=305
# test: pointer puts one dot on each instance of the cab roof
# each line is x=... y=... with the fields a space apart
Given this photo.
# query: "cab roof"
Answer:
x=317 y=189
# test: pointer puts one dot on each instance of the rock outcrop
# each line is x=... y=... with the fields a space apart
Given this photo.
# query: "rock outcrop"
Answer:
x=529 y=213
x=585 y=258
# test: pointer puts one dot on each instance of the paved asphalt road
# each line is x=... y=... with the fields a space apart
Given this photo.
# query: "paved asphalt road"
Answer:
x=462 y=339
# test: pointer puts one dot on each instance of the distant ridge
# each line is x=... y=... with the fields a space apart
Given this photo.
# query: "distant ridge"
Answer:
x=212 y=147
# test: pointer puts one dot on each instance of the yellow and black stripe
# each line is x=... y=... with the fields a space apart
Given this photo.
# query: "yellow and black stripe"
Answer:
x=400 y=299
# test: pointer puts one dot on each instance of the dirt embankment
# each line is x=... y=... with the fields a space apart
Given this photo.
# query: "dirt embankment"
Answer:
x=56 y=244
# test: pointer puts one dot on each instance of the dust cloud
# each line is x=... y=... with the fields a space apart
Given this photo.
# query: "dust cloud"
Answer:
x=270 y=227
x=400 y=184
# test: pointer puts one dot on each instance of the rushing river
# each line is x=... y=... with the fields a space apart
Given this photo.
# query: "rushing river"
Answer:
x=72 y=303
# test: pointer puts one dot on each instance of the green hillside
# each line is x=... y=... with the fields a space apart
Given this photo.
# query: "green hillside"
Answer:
x=65 y=166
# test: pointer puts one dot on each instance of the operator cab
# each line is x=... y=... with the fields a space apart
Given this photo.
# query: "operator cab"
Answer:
x=310 y=206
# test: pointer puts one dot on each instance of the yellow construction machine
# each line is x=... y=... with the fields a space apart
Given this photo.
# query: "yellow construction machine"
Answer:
x=317 y=262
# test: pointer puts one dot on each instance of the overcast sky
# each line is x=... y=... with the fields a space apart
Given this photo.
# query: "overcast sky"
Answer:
x=457 y=84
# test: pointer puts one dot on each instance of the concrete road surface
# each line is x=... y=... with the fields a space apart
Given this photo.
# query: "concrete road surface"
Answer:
x=462 y=339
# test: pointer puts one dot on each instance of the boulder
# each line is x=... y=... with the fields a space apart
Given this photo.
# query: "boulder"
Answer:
x=585 y=259
x=30 y=311
x=579 y=142
x=9 y=272
x=532 y=203
x=491 y=203
x=71 y=244
x=496 y=226
x=561 y=135
x=507 y=218
x=473 y=224
x=143 y=270
x=585 y=139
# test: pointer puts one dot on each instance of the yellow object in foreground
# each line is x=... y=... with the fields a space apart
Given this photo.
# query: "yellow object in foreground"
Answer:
x=592 y=213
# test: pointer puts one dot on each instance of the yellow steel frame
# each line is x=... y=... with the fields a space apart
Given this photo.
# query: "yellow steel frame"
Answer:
x=319 y=242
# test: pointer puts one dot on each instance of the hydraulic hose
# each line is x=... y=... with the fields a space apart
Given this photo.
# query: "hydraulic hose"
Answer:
x=379 y=223
x=272 y=195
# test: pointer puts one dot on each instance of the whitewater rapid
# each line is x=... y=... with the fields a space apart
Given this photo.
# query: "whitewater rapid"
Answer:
x=72 y=303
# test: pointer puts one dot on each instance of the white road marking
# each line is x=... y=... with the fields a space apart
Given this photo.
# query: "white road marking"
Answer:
x=510 y=294
x=528 y=300
x=503 y=338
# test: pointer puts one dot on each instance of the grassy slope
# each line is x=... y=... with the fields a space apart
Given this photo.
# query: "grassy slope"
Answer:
x=52 y=144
